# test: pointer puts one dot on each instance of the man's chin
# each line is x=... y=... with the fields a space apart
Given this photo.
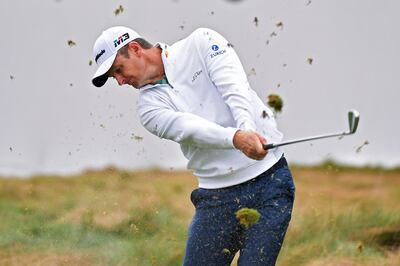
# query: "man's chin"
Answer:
x=134 y=85
x=138 y=86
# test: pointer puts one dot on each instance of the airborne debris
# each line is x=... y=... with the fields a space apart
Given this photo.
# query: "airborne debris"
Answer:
x=264 y=114
x=358 y=150
x=248 y=217
x=280 y=25
x=226 y=251
x=252 y=72
x=272 y=34
x=310 y=60
x=119 y=10
x=138 y=138
x=275 y=101
x=12 y=77
x=360 y=247
x=11 y=149
x=212 y=12
x=308 y=3
x=255 y=21
x=71 y=43
x=90 y=62
x=181 y=27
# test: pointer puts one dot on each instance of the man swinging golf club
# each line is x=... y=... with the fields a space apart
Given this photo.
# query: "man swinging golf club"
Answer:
x=195 y=92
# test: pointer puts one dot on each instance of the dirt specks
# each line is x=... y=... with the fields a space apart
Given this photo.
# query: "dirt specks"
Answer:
x=119 y=10
x=71 y=43
x=358 y=150
x=255 y=21
x=135 y=137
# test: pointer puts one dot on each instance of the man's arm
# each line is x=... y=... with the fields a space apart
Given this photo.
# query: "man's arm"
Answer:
x=227 y=74
x=182 y=127
x=165 y=122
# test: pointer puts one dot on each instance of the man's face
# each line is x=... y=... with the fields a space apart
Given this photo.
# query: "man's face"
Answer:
x=129 y=70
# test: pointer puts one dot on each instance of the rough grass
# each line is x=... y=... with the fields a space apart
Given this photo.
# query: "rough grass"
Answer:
x=341 y=217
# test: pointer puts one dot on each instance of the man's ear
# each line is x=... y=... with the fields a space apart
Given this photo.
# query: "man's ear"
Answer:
x=135 y=48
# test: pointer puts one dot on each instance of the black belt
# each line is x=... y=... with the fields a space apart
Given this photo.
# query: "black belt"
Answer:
x=282 y=162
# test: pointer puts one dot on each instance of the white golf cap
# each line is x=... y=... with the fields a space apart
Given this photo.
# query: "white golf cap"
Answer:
x=105 y=50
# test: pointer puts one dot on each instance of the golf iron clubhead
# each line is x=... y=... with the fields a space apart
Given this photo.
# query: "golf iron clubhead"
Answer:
x=354 y=118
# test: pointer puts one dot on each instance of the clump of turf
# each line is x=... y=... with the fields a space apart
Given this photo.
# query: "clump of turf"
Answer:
x=275 y=101
x=248 y=217
x=226 y=251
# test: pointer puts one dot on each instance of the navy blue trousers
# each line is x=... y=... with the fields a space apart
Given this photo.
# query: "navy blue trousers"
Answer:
x=215 y=234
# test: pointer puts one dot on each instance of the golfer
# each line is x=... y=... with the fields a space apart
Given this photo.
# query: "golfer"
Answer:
x=195 y=92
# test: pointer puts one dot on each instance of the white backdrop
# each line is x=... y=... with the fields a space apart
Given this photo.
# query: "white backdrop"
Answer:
x=54 y=122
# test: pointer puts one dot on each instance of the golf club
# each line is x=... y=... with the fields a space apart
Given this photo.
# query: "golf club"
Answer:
x=353 y=116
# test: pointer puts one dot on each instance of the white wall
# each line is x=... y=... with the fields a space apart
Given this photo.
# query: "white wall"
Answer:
x=54 y=121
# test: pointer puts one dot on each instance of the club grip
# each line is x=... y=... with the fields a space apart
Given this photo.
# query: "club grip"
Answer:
x=268 y=146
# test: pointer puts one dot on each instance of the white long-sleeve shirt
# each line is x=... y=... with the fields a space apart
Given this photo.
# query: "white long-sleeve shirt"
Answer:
x=207 y=100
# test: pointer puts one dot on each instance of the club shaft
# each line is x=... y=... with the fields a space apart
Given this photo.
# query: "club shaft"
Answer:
x=273 y=145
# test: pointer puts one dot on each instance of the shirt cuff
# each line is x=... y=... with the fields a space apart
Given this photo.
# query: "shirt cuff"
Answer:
x=229 y=139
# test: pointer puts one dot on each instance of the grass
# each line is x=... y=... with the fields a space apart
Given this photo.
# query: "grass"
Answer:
x=113 y=217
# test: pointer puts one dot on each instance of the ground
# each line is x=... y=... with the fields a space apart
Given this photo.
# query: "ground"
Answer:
x=342 y=216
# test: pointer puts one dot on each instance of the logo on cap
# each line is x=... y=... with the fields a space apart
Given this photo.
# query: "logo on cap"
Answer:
x=99 y=55
x=121 y=39
x=215 y=47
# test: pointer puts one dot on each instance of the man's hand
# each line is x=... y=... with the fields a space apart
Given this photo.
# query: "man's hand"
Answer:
x=250 y=143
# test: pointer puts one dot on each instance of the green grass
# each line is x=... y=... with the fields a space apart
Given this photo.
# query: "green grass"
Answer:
x=145 y=234
x=32 y=217
x=332 y=165
x=343 y=234
x=114 y=217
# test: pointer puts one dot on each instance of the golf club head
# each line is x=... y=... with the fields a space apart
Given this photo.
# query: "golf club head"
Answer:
x=354 y=117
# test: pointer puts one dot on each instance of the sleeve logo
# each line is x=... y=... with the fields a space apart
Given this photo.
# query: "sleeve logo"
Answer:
x=216 y=50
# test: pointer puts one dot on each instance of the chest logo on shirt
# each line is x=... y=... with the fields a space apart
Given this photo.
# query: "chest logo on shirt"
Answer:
x=196 y=74
x=215 y=47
